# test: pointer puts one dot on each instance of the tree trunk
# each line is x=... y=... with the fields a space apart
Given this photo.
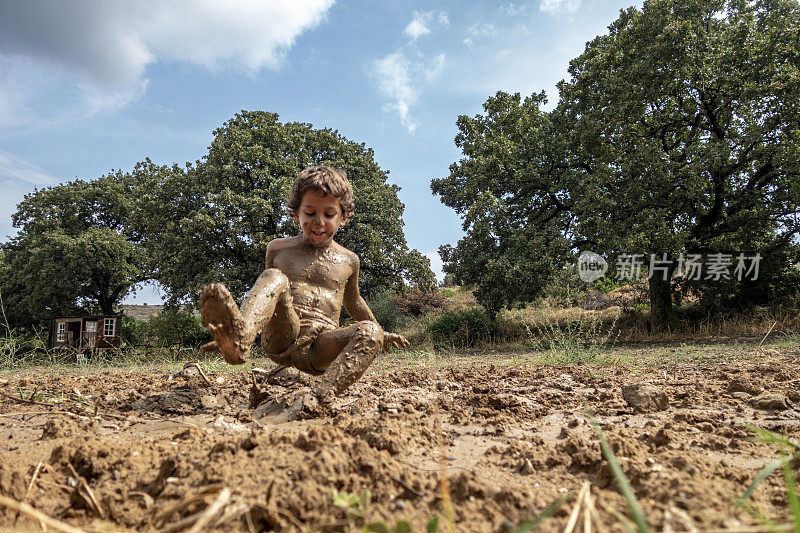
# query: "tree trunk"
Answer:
x=106 y=305
x=662 y=314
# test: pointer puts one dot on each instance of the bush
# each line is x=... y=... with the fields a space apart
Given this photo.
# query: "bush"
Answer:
x=565 y=288
x=384 y=308
x=177 y=327
x=466 y=327
x=134 y=332
x=417 y=303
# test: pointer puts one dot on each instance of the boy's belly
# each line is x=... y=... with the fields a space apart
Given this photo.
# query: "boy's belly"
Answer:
x=317 y=303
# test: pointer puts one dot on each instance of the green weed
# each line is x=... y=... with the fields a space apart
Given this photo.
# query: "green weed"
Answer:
x=384 y=308
x=573 y=342
x=622 y=481
x=462 y=328
x=788 y=455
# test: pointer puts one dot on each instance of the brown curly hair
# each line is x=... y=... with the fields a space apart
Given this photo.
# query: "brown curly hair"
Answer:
x=326 y=180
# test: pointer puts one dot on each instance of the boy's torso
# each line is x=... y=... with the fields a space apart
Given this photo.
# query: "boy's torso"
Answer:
x=317 y=276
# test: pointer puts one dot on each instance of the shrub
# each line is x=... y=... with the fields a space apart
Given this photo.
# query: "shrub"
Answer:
x=417 y=302
x=466 y=327
x=565 y=288
x=134 y=332
x=447 y=293
x=384 y=308
x=177 y=327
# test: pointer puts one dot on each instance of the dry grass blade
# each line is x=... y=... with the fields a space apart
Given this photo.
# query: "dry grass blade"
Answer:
x=183 y=504
x=193 y=364
x=29 y=511
x=291 y=517
x=33 y=413
x=406 y=486
x=232 y=512
x=626 y=522
x=215 y=507
x=181 y=524
x=23 y=400
x=761 y=528
x=592 y=511
x=148 y=500
x=87 y=494
x=573 y=517
x=768 y=332
x=32 y=481
x=688 y=523
x=587 y=517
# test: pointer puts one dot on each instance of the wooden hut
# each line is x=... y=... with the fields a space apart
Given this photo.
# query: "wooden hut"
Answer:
x=87 y=333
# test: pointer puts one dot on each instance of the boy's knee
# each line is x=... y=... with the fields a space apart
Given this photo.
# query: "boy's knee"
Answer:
x=371 y=331
x=276 y=279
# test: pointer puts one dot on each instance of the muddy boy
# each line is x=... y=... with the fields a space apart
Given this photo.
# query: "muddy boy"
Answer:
x=295 y=303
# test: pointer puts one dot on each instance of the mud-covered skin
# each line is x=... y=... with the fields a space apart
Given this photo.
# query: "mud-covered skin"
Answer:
x=307 y=280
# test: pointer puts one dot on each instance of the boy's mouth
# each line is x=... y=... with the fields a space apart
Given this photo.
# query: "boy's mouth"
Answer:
x=318 y=234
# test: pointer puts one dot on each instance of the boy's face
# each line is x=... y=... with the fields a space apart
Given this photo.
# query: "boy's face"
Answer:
x=319 y=217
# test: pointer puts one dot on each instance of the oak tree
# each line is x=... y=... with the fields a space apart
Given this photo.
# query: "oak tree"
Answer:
x=212 y=220
x=677 y=132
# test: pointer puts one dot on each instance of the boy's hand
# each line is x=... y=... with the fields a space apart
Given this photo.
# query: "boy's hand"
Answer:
x=393 y=340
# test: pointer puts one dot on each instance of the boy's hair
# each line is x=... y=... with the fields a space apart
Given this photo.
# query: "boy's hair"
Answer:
x=326 y=180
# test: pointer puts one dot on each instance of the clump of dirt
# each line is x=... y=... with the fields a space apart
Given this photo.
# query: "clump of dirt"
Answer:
x=396 y=433
x=504 y=442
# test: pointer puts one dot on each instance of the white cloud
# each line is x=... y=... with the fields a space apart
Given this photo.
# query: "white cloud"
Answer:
x=559 y=6
x=249 y=33
x=435 y=66
x=481 y=29
x=398 y=77
x=416 y=29
x=17 y=178
x=16 y=169
x=513 y=10
x=394 y=82
x=422 y=21
x=100 y=50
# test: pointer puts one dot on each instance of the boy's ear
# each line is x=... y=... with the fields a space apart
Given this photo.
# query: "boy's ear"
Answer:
x=295 y=217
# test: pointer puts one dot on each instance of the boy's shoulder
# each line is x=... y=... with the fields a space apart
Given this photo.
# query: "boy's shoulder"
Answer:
x=284 y=242
x=275 y=245
x=351 y=255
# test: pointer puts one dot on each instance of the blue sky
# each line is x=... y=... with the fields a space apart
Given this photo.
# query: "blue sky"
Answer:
x=87 y=86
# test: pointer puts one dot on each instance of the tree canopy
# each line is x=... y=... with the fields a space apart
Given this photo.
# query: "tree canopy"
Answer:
x=212 y=221
x=75 y=251
x=83 y=245
x=677 y=133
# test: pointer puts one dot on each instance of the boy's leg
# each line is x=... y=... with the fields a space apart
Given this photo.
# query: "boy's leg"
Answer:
x=234 y=330
x=345 y=354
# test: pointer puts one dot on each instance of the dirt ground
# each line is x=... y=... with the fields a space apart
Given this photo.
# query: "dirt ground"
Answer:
x=110 y=450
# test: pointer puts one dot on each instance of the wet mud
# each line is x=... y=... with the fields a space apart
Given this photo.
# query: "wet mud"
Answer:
x=145 y=452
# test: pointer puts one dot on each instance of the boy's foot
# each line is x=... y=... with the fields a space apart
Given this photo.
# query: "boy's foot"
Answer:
x=225 y=322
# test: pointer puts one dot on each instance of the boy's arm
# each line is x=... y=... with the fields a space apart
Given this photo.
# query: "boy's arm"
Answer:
x=271 y=253
x=358 y=309
x=353 y=301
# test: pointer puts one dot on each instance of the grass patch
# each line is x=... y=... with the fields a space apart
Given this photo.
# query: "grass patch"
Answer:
x=787 y=462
